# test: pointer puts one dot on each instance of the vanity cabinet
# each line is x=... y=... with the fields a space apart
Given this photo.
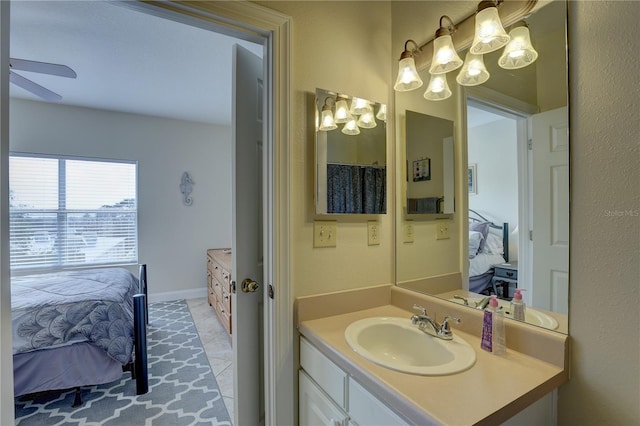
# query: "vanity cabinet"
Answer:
x=219 y=284
x=329 y=396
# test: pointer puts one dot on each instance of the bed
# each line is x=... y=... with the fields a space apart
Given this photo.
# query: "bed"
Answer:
x=488 y=246
x=78 y=328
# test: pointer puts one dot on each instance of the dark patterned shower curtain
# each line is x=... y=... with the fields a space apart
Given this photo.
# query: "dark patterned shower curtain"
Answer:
x=356 y=189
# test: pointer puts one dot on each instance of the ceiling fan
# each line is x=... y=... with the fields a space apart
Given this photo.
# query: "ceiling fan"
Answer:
x=42 y=68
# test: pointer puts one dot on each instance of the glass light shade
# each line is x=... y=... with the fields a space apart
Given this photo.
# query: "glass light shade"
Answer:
x=445 y=58
x=473 y=71
x=342 y=114
x=326 y=121
x=351 y=128
x=382 y=113
x=438 y=89
x=359 y=106
x=519 y=52
x=489 y=35
x=367 y=120
x=408 y=78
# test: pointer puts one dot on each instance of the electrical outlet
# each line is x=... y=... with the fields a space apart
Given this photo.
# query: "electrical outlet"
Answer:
x=373 y=233
x=442 y=230
x=324 y=234
x=407 y=234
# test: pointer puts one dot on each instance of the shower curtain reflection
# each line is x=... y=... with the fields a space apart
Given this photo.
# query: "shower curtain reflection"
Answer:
x=356 y=189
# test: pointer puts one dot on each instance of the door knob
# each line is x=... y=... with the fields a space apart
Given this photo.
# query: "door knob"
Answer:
x=249 y=285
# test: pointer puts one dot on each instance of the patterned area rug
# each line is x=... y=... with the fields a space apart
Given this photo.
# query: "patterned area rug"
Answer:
x=182 y=387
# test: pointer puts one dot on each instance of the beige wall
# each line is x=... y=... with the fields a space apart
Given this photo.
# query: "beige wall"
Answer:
x=604 y=320
x=342 y=47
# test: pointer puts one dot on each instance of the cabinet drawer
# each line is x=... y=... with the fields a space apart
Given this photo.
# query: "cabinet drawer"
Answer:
x=325 y=373
x=316 y=408
x=506 y=273
x=366 y=409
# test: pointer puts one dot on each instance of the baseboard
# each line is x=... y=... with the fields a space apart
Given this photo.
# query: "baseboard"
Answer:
x=192 y=293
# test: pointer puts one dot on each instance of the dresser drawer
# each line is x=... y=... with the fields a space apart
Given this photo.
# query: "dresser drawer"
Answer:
x=511 y=274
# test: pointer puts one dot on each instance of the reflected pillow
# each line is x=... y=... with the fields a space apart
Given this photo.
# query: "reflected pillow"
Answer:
x=475 y=238
x=483 y=228
x=493 y=244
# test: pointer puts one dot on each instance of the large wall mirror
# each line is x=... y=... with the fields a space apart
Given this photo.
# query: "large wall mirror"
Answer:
x=351 y=154
x=514 y=159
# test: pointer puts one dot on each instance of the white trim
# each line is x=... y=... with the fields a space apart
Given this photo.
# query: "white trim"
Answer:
x=168 y=296
x=6 y=357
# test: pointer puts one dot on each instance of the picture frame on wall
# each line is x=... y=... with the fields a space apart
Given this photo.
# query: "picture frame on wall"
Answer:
x=473 y=179
x=421 y=170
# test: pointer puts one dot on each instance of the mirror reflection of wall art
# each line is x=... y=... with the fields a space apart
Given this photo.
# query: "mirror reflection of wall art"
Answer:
x=473 y=180
x=422 y=169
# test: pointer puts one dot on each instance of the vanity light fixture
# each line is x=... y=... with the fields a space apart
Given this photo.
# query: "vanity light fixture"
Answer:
x=489 y=33
x=326 y=120
x=408 y=78
x=382 y=113
x=367 y=120
x=473 y=71
x=342 y=114
x=519 y=52
x=438 y=89
x=445 y=57
x=351 y=127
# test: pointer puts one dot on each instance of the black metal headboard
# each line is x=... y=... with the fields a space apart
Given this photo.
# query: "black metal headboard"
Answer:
x=504 y=228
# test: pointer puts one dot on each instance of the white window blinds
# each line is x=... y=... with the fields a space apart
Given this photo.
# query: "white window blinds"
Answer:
x=68 y=212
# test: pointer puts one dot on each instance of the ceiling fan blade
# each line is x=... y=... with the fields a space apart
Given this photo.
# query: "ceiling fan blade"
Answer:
x=34 y=88
x=42 y=67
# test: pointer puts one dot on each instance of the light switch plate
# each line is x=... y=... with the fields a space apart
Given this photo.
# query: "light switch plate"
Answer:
x=324 y=233
x=407 y=232
x=373 y=233
x=442 y=231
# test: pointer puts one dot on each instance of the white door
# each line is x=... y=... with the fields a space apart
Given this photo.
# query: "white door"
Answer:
x=550 y=210
x=247 y=256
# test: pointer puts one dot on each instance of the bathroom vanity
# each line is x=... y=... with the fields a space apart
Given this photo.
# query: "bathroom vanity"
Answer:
x=339 y=386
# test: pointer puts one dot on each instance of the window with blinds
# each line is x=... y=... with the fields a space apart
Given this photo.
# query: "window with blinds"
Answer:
x=67 y=212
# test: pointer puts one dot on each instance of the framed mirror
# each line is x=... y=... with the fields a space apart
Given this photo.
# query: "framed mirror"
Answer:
x=514 y=183
x=351 y=158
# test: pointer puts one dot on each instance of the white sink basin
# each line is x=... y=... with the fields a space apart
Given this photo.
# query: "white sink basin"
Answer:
x=397 y=344
x=531 y=315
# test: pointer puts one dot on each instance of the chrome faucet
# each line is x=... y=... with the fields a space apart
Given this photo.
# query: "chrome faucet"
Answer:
x=430 y=326
x=483 y=303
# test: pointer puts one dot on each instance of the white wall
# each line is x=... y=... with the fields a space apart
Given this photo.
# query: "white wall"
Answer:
x=493 y=148
x=173 y=238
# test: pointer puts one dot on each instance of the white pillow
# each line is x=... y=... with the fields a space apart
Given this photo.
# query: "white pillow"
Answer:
x=475 y=238
x=493 y=244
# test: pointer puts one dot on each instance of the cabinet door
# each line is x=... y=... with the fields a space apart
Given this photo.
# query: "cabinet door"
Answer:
x=315 y=408
x=366 y=409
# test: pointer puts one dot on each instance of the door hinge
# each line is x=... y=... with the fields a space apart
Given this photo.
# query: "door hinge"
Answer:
x=233 y=287
x=530 y=144
x=530 y=235
x=270 y=291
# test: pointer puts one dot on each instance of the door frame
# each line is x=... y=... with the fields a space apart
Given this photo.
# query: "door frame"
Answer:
x=243 y=20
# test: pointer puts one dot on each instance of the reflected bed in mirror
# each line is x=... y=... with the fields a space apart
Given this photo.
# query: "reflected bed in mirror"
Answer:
x=429 y=163
x=351 y=155
x=517 y=144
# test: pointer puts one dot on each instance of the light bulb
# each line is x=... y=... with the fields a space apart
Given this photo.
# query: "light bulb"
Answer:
x=519 y=52
x=382 y=113
x=489 y=33
x=367 y=120
x=445 y=58
x=351 y=128
x=473 y=72
x=327 y=122
x=408 y=78
x=438 y=89
x=359 y=106
x=342 y=114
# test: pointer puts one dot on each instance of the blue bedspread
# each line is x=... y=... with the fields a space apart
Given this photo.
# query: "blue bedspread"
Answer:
x=57 y=309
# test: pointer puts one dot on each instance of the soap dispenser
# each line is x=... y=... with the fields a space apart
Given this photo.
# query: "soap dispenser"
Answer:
x=517 y=305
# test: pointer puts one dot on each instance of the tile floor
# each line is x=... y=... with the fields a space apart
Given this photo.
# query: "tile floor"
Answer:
x=217 y=345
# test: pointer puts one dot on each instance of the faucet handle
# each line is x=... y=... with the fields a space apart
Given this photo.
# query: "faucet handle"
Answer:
x=445 y=328
x=420 y=308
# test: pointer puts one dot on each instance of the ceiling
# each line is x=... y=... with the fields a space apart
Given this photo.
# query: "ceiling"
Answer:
x=126 y=60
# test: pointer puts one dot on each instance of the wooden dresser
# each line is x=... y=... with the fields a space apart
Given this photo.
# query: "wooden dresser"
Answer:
x=219 y=284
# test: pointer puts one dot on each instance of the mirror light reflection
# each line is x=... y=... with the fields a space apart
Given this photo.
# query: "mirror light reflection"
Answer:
x=520 y=189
